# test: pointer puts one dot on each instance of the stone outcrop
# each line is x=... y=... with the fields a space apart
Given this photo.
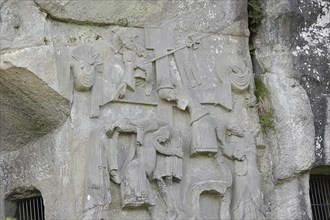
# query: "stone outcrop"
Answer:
x=292 y=59
x=146 y=109
x=29 y=108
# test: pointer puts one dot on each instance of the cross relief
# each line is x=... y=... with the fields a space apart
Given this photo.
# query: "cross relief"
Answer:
x=155 y=147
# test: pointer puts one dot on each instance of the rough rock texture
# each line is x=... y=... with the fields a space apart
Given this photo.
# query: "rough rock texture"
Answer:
x=37 y=42
x=43 y=165
x=56 y=137
x=292 y=58
x=206 y=14
x=312 y=46
x=29 y=108
x=22 y=24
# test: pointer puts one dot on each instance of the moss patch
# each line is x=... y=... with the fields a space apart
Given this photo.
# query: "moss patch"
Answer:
x=266 y=112
x=255 y=14
x=252 y=48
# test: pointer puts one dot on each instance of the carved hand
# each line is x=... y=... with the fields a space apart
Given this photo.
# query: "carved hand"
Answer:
x=178 y=153
x=109 y=130
x=239 y=155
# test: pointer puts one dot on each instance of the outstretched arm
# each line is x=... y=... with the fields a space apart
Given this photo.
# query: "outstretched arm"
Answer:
x=224 y=146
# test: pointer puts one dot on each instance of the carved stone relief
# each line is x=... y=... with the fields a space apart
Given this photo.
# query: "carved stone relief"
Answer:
x=87 y=68
x=153 y=162
x=240 y=146
x=146 y=109
x=136 y=71
x=236 y=73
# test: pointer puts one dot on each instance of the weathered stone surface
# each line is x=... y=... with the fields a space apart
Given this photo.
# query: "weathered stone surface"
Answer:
x=205 y=14
x=327 y=135
x=162 y=119
x=292 y=140
x=31 y=95
x=29 y=108
x=292 y=59
x=291 y=198
x=40 y=61
x=43 y=165
x=22 y=25
x=293 y=137
x=312 y=46
x=100 y=58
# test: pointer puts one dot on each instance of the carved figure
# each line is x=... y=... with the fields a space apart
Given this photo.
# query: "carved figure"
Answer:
x=135 y=72
x=242 y=80
x=169 y=168
x=99 y=165
x=135 y=188
x=224 y=128
x=203 y=133
x=140 y=163
x=87 y=69
x=86 y=66
x=246 y=199
x=236 y=72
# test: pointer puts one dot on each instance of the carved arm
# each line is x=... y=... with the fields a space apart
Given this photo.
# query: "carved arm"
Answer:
x=224 y=146
x=168 y=151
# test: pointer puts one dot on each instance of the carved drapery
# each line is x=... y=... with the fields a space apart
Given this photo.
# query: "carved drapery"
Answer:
x=149 y=156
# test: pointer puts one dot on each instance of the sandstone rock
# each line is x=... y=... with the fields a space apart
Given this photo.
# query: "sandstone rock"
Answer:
x=286 y=61
x=201 y=16
x=145 y=109
x=29 y=108
x=22 y=25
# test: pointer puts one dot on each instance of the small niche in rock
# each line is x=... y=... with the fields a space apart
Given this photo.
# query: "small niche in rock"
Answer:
x=25 y=204
x=319 y=192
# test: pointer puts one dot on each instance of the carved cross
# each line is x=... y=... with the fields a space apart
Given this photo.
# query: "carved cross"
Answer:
x=161 y=40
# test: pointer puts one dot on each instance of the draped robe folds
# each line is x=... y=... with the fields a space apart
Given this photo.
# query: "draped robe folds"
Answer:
x=97 y=182
x=142 y=167
x=135 y=188
x=203 y=131
x=247 y=197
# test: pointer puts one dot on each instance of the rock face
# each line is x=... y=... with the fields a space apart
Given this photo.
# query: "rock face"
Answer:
x=146 y=109
x=30 y=108
x=292 y=58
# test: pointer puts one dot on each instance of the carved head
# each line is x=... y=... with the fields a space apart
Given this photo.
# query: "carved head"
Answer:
x=163 y=134
x=127 y=40
x=167 y=94
x=86 y=63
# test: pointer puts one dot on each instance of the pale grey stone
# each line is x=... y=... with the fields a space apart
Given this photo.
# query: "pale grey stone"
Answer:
x=203 y=16
x=141 y=92
x=40 y=60
x=293 y=136
x=43 y=165
x=22 y=25
x=290 y=198
x=291 y=58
